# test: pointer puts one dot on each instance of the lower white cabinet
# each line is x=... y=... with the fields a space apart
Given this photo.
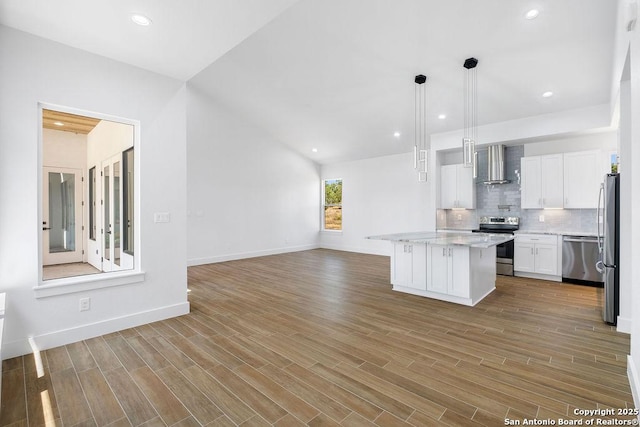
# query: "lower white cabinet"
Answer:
x=409 y=265
x=454 y=273
x=537 y=255
x=448 y=268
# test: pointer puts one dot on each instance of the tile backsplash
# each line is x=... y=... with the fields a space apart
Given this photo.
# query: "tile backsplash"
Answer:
x=573 y=220
x=504 y=200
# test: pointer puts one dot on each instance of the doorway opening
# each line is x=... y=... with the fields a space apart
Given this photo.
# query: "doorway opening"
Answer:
x=87 y=200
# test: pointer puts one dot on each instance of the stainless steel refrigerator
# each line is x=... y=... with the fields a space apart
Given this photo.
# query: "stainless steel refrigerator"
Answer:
x=609 y=245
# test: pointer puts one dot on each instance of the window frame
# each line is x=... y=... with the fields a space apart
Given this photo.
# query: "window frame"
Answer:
x=324 y=205
x=73 y=284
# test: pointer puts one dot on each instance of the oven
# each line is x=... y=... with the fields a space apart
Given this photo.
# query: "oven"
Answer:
x=504 y=251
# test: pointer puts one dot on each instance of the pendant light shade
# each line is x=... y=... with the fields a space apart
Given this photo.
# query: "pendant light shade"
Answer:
x=420 y=148
x=470 y=114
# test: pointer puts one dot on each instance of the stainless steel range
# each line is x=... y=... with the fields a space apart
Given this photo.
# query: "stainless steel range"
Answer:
x=504 y=251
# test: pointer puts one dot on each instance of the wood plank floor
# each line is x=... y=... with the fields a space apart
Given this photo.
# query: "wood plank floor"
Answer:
x=319 y=338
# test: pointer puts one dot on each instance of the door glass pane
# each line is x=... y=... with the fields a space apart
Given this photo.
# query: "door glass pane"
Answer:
x=92 y=203
x=62 y=220
x=116 y=213
x=106 y=216
x=127 y=201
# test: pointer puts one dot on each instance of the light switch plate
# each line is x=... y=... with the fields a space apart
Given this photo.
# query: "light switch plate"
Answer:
x=162 y=217
x=541 y=218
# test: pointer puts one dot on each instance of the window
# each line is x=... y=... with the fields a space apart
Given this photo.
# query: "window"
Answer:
x=74 y=145
x=332 y=204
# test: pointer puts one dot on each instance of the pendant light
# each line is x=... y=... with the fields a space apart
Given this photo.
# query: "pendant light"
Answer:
x=420 y=148
x=469 y=155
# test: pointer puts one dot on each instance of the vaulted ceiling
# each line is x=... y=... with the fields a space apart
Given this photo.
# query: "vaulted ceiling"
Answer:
x=337 y=75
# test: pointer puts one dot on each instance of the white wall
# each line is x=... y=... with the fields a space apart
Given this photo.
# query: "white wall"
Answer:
x=379 y=196
x=35 y=70
x=626 y=67
x=605 y=141
x=64 y=149
x=106 y=140
x=248 y=195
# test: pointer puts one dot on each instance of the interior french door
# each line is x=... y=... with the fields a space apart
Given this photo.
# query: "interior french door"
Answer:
x=62 y=240
x=112 y=213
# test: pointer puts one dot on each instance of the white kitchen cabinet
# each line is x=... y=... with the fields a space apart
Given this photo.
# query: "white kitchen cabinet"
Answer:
x=542 y=182
x=457 y=187
x=409 y=265
x=463 y=272
x=537 y=255
x=448 y=267
x=460 y=273
x=583 y=172
x=523 y=256
x=442 y=263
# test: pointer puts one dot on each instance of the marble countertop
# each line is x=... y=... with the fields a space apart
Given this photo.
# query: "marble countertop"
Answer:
x=476 y=240
x=559 y=232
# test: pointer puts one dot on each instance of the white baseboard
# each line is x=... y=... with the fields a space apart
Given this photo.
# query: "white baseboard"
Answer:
x=244 y=255
x=358 y=249
x=537 y=276
x=632 y=375
x=623 y=325
x=83 y=332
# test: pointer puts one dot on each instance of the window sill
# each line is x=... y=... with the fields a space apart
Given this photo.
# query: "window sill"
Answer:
x=335 y=232
x=70 y=285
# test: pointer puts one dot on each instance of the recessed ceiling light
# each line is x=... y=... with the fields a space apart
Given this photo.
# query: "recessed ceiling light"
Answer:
x=141 y=19
x=532 y=14
x=315 y=150
x=396 y=134
x=442 y=116
x=547 y=94
x=58 y=123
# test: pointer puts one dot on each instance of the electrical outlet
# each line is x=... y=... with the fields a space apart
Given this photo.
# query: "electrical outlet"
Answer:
x=85 y=304
x=459 y=217
x=541 y=218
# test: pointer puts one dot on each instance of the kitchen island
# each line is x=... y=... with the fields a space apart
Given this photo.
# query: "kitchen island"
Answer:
x=454 y=267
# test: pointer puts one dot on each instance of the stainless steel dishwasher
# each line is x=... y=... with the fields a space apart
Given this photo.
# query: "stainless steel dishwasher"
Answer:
x=579 y=257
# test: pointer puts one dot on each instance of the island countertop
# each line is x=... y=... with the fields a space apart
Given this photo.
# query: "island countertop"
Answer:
x=475 y=240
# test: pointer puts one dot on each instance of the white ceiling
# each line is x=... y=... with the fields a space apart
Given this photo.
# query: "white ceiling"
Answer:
x=337 y=75
x=185 y=36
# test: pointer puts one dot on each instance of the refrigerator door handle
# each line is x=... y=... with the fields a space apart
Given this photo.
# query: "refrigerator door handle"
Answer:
x=604 y=222
x=598 y=222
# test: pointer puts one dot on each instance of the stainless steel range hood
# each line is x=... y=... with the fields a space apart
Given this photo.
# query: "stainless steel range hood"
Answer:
x=495 y=170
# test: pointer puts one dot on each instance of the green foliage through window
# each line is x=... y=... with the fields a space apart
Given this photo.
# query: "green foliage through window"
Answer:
x=333 y=204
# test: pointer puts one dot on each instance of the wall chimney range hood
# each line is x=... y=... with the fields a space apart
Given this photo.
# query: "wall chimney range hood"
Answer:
x=495 y=163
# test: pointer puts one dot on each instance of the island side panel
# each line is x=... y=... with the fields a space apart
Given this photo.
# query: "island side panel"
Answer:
x=483 y=272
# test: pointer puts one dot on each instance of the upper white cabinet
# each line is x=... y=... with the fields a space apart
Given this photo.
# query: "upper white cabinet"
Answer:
x=583 y=172
x=457 y=187
x=542 y=182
